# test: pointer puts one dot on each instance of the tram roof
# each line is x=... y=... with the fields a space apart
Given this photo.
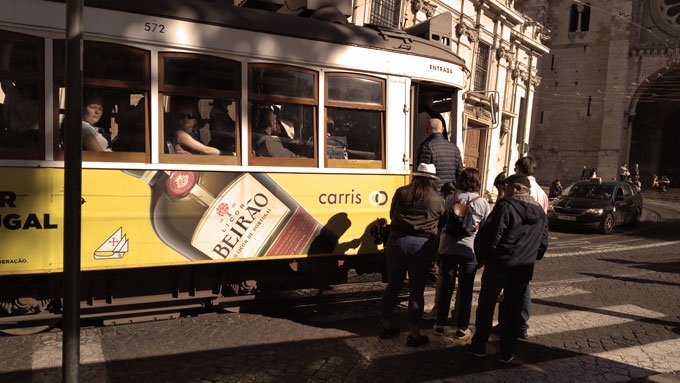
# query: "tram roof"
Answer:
x=257 y=20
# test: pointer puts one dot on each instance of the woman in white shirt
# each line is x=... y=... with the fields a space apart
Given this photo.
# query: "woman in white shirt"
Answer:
x=92 y=112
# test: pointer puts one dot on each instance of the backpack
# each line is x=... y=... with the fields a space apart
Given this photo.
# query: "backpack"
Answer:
x=459 y=222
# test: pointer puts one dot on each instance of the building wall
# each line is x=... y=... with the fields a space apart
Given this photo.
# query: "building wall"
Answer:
x=516 y=43
x=630 y=46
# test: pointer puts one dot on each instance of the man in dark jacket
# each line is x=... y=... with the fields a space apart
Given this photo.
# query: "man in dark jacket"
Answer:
x=514 y=236
x=441 y=152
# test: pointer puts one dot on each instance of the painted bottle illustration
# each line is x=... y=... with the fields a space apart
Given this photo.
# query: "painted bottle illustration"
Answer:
x=219 y=215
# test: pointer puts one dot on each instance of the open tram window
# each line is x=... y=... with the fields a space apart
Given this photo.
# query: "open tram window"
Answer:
x=355 y=115
x=116 y=81
x=199 y=108
x=21 y=96
x=283 y=115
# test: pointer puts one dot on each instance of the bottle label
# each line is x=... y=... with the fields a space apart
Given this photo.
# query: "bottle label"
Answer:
x=295 y=237
x=243 y=221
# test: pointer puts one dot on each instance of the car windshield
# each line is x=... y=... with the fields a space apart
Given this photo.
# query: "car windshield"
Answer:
x=585 y=190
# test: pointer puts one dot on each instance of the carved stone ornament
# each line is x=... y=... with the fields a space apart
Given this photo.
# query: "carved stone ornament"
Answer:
x=515 y=73
x=423 y=5
x=539 y=32
x=543 y=35
x=505 y=53
x=477 y=4
x=462 y=28
x=665 y=15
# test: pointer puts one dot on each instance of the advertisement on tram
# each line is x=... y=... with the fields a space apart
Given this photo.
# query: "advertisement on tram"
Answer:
x=139 y=218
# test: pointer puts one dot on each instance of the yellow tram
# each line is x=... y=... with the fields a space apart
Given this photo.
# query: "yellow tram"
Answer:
x=166 y=227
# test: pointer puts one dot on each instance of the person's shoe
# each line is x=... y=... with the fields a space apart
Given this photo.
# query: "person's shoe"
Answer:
x=506 y=359
x=419 y=340
x=472 y=350
x=463 y=334
x=388 y=332
x=496 y=329
x=439 y=330
x=523 y=334
x=431 y=315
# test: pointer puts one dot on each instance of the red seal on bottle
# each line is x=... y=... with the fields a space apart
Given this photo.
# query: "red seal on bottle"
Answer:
x=180 y=183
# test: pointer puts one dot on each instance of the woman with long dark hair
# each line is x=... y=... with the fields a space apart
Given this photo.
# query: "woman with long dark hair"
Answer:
x=415 y=213
x=457 y=255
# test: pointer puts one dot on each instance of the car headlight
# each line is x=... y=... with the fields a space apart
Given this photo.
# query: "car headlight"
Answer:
x=594 y=211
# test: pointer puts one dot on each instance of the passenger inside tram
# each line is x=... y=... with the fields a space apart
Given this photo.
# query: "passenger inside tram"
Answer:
x=92 y=137
x=283 y=128
x=264 y=143
x=359 y=131
x=129 y=119
x=187 y=123
x=19 y=118
x=222 y=126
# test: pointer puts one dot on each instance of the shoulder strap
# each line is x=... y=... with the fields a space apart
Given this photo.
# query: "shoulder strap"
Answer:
x=455 y=197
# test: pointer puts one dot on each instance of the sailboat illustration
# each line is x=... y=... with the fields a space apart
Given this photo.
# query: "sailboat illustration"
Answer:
x=114 y=247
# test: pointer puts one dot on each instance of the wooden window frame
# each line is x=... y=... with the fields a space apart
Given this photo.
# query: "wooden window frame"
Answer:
x=143 y=86
x=356 y=163
x=197 y=92
x=277 y=99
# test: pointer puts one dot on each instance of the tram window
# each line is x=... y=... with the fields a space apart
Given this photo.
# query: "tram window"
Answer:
x=182 y=72
x=107 y=64
x=355 y=127
x=118 y=77
x=21 y=77
x=200 y=104
x=283 y=115
x=283 y=82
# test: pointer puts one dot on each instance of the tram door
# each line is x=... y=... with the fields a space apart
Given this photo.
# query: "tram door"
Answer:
x=431 y=101
x=475 y=135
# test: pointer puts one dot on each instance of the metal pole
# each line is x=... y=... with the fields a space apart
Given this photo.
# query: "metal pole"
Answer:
x=527 y=119
x=72 y=190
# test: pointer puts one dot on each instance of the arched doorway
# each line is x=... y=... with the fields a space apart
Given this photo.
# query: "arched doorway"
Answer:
x=656 y=127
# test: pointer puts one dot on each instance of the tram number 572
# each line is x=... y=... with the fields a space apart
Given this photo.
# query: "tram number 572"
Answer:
x=154 y=27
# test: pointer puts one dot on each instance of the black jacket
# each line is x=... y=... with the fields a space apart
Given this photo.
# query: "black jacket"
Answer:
x=515 y=233
x=445 y=156
x=417 y=218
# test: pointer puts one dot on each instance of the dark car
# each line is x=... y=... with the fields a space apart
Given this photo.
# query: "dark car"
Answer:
x=598 y=204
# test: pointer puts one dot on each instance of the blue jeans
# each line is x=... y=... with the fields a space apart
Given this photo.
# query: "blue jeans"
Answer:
x=465 y=269
x=526 y=311
x=513 y=282
x=407 y=254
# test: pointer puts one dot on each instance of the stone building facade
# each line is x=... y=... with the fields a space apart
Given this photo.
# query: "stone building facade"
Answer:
x=609 y=92
x=501 y=47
